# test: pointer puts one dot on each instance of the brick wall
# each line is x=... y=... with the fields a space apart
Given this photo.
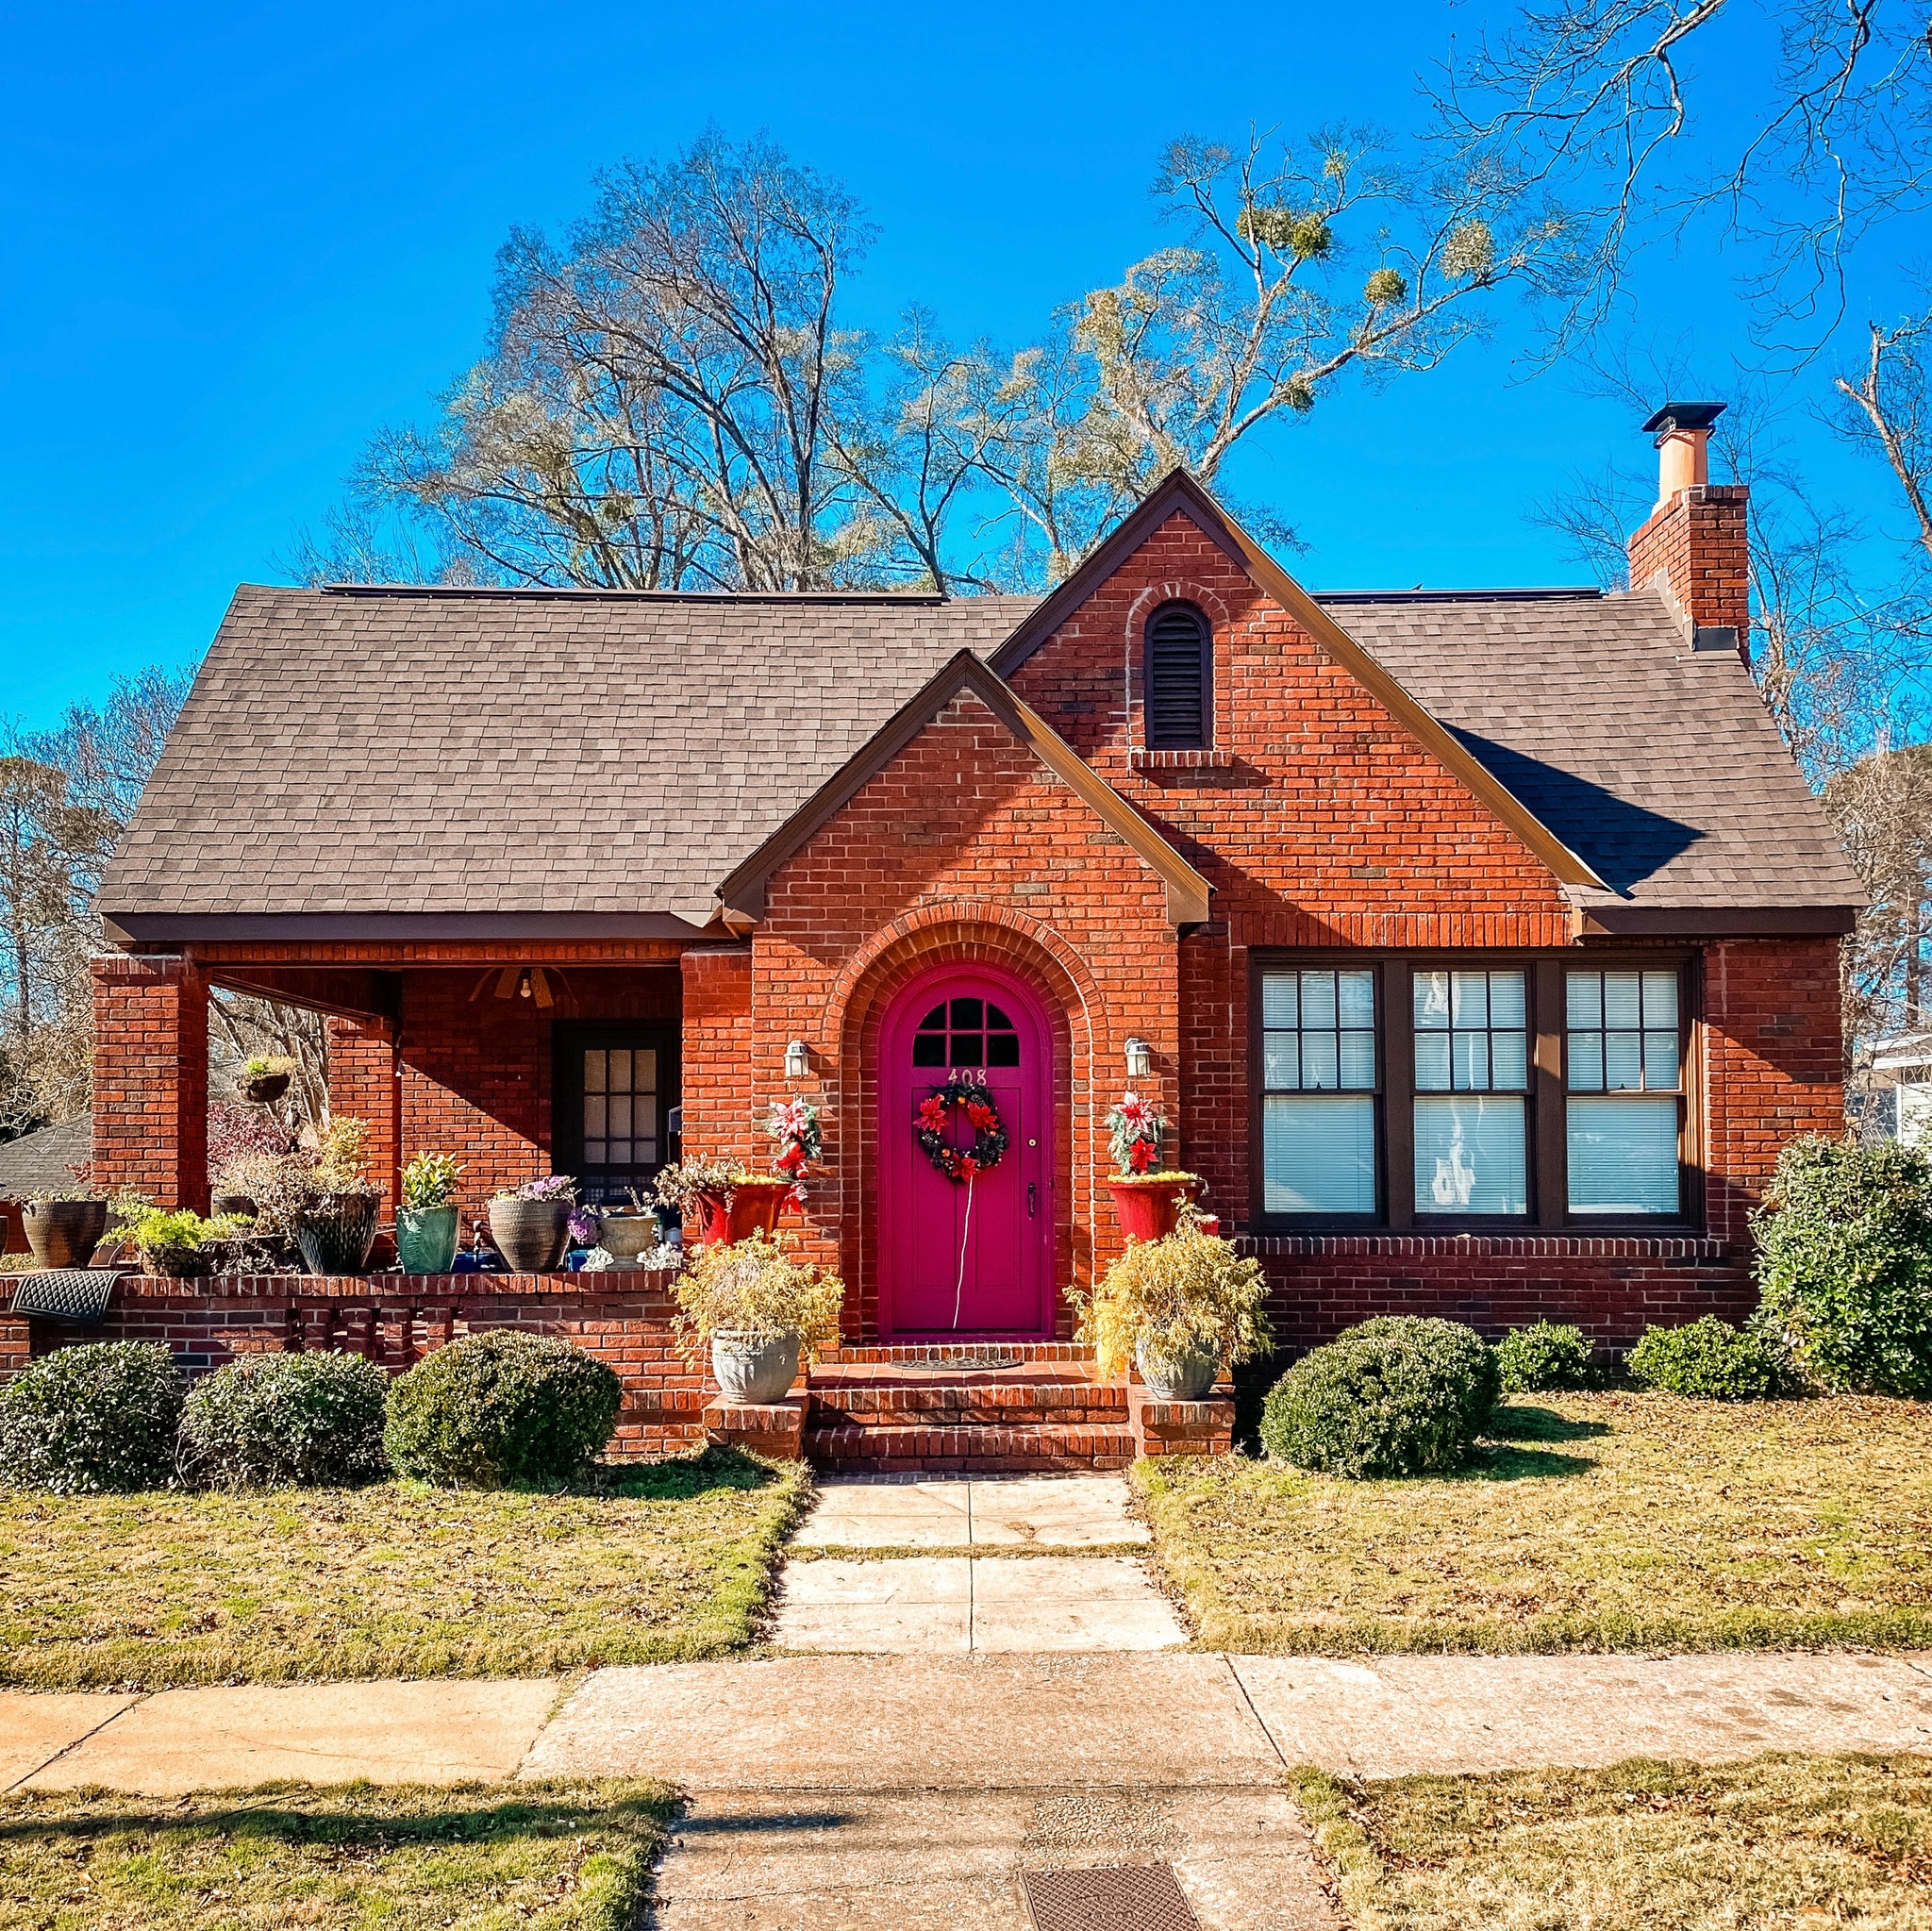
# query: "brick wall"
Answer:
x=394 y=1320
x=720 y=1062
x=1699 y=542
x=150 y=1103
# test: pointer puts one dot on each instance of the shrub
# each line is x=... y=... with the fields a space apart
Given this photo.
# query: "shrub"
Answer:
x=1844 y=1265
x=504 y=1407
x=1397 y=1397
x=1708 y=1360
x=98 y=1417
x=265 y=1421
x=1544 y=1356
x=754 y=1287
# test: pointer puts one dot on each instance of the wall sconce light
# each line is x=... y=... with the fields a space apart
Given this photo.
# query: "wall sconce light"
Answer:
x=1140 y=1060
x=797 y=1061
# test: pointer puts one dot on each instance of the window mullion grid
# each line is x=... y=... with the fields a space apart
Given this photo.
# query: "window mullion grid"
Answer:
x=1396 y=1017
x=1549 y=1181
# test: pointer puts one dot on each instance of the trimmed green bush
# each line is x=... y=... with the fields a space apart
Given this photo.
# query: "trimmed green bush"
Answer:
x=1708 y=1360
x=1844 y=1265
x=1546 y=1355
x=497 y=1407
x=1395 y=1396
x=86 y=1420
x=267 y=1420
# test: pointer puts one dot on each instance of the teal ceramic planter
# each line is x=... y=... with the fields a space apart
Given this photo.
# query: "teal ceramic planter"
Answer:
x=426 y=1238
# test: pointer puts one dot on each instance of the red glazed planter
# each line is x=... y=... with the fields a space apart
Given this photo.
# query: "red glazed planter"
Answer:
x=755 y=1206
x=1145 y=1210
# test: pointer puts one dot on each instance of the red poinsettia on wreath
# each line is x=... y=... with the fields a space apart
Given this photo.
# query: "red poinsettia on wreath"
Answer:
x=966 y=1091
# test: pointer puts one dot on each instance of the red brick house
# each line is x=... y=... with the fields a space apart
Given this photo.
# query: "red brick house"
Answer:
x=1483 y=946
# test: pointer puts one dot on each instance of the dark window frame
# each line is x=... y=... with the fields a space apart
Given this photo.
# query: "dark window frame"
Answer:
x=569 y=1037
x=1204 y=740
x=1546 y=1149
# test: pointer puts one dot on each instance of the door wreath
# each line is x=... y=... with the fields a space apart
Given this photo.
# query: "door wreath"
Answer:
x=959 y=1164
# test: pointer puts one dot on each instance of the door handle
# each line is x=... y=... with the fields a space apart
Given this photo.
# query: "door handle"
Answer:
x=1032 y=1199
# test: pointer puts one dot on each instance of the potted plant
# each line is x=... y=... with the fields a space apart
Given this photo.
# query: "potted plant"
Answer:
x=754 y=1308
x=427 y=1226
x=64 y=1224
x=1179 y=1308
x=1146 y=1196
x=728 y=1202
x=335 y=1224
x=177 y=1244
x=530 y=1223
x=265 y=1080
x=628 y=1234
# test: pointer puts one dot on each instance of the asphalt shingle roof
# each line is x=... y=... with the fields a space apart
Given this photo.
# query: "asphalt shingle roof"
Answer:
x=418 y=751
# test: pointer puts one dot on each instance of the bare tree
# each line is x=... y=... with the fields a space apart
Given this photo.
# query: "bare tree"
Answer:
x=243 y=1027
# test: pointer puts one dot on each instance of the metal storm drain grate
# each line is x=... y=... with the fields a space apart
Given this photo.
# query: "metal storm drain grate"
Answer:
x=1113 y=1897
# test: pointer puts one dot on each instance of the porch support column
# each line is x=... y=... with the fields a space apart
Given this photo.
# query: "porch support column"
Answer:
x=720 y=1080
x=150 y=1105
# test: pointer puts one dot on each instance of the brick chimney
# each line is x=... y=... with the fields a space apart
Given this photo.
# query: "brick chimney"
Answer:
x=1695 y=539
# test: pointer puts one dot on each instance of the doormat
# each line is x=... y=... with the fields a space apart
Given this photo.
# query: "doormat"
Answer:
x=66 y=1293
x=1112 y=1897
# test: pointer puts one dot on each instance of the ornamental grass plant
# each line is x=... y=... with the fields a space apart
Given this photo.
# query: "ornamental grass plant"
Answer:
x=1186 y=1294
x=753 y=1288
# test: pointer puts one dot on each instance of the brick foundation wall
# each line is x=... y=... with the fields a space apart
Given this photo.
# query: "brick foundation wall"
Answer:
x=394 y=1320
x=150 y=1091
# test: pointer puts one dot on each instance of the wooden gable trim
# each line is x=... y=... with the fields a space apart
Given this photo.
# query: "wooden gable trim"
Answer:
x=1180 y=492
x=742 y=897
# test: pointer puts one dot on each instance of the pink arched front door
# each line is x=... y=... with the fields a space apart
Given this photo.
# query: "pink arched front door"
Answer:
x=954 y=1260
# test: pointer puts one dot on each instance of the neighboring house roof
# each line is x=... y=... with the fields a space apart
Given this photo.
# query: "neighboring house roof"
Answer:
x=44 y=1160
x=601 y=758
x=743 y=892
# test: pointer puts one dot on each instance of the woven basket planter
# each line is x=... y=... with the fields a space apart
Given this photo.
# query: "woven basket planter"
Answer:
x=532 y=1233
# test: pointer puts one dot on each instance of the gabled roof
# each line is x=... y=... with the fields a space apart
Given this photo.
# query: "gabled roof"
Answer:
x=742 y=895
x=1179 y=492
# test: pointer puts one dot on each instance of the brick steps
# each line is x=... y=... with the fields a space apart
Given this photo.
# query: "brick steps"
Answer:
x=1028 y=1447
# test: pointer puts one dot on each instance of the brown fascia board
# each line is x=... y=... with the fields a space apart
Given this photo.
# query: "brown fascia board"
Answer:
x=742 y=895
x=1714 y=922
x=1178 y=491
x=185 y=928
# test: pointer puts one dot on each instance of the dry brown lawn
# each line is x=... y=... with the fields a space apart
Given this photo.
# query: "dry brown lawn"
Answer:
x=1610 y=1522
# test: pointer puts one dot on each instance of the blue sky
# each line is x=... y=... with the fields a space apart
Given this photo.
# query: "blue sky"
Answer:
x=239 y=239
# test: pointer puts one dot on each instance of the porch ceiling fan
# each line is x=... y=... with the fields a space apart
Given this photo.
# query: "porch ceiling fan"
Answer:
x=539 y=983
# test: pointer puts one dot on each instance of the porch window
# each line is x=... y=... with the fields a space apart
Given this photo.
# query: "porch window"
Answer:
x=616 y=1083
x=1180 y=679
x=1445 y=1092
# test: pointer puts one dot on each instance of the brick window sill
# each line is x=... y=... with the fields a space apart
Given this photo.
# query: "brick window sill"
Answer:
x=1533 y=1246
x=1180 y=760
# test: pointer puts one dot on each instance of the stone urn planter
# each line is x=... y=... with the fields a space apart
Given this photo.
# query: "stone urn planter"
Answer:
x=65 y=1233
x=532 y=1233
x=336 y=1233
x=1187 y=1376
x=627 y=1237
x=755 y=1206
x=753 y=1367
x=426 y=1238
x=265 y=1088
x=1146 y=1207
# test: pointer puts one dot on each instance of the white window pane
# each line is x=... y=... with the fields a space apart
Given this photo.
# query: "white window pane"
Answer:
x=644 y=1070
x=1506 y=999
x=1470 y=1062
x=620 y=1070
x=1470 y=1004
x=1660 y=999
x=1358 y=998
x=1432 y=999
x=1319 y=1155
x=1620 y=999
x=1587 y=1062
x=1508 y=1061
x=1280 y=1005
x=1623 y=1069
x=1660 y=1061
x=644 y=1151
x=595 y=1125
x=1623 y=1155
x=617 y=1154
x=1432 y=1062
x=1469 y=1157
x=1358 y=1059
x=593 y=1153
x=1281 y=1059
x=1583 y=1000
x=594 y=1073
x=1318 y=999
x=620 y=1116
x=1318 y=1061
x=643 y=1115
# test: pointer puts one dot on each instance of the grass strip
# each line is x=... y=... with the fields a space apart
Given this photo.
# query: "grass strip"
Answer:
x=662 y=1562
x=1783 y=1841
x=567 y=1856
x=1614 y=1522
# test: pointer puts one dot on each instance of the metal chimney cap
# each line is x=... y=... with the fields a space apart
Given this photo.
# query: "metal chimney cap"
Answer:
x=1685 y=415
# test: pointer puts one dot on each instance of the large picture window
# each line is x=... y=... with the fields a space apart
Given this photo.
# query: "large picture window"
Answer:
x=1486 y=1091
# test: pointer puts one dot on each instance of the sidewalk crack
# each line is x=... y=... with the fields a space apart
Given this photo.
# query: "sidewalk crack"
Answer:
x=68 y=1748
x=1249 y=1702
